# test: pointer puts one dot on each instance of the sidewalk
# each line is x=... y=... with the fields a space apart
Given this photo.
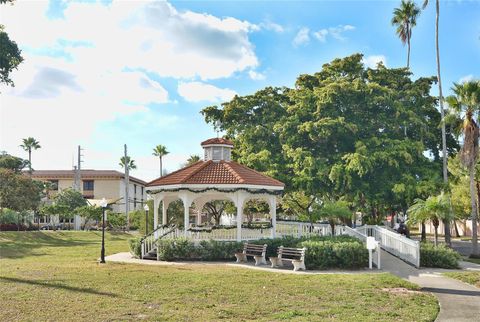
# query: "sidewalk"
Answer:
x=458 y=301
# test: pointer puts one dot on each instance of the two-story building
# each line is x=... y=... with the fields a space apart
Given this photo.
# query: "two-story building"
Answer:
x=97 y=184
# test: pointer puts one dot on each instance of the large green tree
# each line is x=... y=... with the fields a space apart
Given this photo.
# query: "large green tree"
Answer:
x=66 y=204
x=405 y=18
x=368 y=135
x=11 y=162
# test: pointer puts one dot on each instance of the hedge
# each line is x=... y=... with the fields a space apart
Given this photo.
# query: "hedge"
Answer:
x=323 y=252
x=135 y=246
x=440 y=256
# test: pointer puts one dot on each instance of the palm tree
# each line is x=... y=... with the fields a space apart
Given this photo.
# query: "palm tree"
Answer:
x=405 y=18
x=160 y=151
x=466 y=99
x=434 y=208
x=129 y=161
x=28 y=145
x=442 y=110
x=192 y=159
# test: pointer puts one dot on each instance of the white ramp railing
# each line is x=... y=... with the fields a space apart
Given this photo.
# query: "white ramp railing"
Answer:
x=357 y=234
x=394 y=243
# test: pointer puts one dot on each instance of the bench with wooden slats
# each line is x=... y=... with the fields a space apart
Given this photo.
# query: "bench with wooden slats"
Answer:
x=256 y=251
x=294 y=255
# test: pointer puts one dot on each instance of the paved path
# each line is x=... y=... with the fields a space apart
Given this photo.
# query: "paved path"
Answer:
x=458 y=301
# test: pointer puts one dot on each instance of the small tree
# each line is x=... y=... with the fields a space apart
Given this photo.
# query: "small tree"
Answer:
x=434 y=208
x=65 y=204
x=89 y=213
x=335 y=212
x=301 y=205
x=216 y=208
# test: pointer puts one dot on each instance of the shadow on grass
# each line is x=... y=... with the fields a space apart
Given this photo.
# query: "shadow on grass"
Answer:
x=57 y=286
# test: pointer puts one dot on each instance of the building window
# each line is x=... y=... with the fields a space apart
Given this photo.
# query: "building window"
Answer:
x=53 y=185
x=135 y=203
x=88 y=185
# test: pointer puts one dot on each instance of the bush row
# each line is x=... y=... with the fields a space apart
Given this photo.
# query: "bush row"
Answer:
x=440 y=256
x=323 y=252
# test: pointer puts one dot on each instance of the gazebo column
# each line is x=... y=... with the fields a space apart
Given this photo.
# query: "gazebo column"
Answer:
x=273 y=214
x=156 y=203
x=164 y=212
x=239 y=221
x=187 y=202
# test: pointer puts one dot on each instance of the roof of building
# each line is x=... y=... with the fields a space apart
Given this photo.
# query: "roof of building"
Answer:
x=85 y=174
x=217 y=141
x=211 y=172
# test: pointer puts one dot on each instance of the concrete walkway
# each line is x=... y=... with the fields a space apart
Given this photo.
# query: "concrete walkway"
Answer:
x=458 y=301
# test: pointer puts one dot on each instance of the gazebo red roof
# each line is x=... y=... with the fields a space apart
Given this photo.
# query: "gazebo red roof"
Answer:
x=211 y=172
x=217 y=141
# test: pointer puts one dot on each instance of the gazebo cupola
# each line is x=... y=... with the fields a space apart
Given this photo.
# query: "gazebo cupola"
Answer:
x=217 y=149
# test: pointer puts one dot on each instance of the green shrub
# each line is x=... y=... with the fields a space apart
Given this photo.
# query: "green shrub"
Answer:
x=274 y=243
x=335 y=253
x=440 y=256
x=135 y=247
x=212 y=250
x=175 y=249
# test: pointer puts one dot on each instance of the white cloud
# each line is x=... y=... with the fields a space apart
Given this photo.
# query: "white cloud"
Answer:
x=256 y=75
x=373 y=60
x=101 y=63
x=197 y=92
x=466 y=78
x=269 y=25
x=302 y=37
x=334 y=32
x=321 y=35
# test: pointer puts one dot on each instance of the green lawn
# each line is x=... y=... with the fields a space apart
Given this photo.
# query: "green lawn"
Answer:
x=54 y=276
x=467 y=277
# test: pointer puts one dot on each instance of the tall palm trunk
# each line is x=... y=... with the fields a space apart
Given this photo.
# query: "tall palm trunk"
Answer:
x=161 y=167
x=442 y=113
x=30 y=161
x=408 y=63
x=473 y=195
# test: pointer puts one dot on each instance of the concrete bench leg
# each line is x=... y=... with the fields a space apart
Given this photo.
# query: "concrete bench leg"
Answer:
x=274 y=261
x=259 y=260
x=298 y=265
x=241 y=257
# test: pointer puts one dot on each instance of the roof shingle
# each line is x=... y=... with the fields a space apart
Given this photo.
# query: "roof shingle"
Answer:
x=210 y=172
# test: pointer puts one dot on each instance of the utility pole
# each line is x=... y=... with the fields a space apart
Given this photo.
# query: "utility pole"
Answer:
x=78 y=176
x=127 y=200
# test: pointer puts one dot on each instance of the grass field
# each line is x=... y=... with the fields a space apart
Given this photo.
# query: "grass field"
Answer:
x=55 y=276
x=467 y=277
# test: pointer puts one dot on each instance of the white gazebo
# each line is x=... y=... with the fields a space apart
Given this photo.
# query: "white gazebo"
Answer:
x=216 y=177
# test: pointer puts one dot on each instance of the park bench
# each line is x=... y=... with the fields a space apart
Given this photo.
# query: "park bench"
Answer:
x=294 y=255
x=256 y=251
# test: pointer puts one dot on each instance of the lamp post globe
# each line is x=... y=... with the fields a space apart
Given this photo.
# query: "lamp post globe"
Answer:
x=146 y=218
x=103 y=204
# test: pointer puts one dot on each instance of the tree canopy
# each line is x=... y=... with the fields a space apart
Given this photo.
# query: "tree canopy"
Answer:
x=370 y=135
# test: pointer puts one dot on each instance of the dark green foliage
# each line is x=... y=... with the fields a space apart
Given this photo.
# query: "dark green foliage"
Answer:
x=440 y=256
x=175 y=249
x=135 y=246
x=323 y=252
x=335 y=253
x=10 y=57
x=13 y=163
x=213 y=250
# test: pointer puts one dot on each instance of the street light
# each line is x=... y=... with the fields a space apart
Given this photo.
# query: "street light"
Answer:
x=146 y=218
x=103 y=204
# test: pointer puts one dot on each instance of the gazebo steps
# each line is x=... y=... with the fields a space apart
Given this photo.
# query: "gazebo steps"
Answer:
x=152 y=255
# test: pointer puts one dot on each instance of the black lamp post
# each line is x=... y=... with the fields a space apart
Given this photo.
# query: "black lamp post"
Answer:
x=146 y=218
x=104 y=205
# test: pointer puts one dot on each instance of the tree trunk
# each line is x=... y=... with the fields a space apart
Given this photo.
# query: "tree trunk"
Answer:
x=30 y=161
x=161 y=170
x=408 y=53
x=332 y=226
x=442 y=114
x=473 y=197
x=18 y=221
x=436 y=236
x=424 y=232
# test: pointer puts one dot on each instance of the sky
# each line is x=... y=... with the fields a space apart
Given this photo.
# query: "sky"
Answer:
x=104 y=74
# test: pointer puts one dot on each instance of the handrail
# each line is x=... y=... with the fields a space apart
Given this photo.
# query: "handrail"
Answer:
x=153 y=232
x=148 y=242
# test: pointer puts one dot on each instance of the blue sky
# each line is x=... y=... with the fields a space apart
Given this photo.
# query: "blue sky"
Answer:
x=103 y=74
